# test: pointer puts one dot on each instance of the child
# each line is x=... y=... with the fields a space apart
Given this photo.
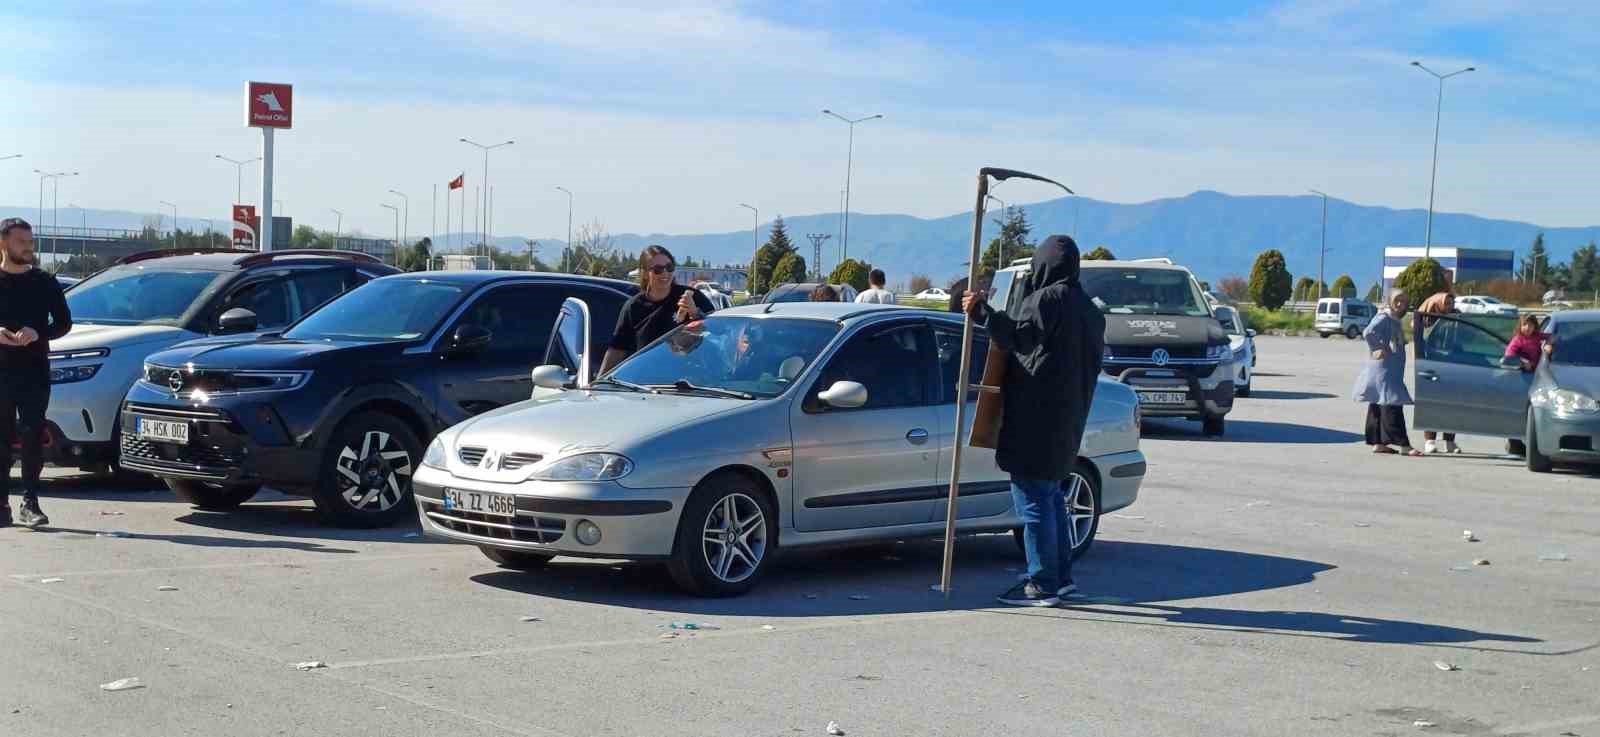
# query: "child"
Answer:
x=1526 y=344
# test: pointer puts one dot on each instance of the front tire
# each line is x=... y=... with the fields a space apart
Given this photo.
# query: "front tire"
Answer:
x=366 y=472
x=212 y=497
x=1537 y=462
x=727 y=536
x=515 y=559
x=1352 y=332
x=1080 y=508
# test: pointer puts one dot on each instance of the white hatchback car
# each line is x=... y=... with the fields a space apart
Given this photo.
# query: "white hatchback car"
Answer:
x=759 y=427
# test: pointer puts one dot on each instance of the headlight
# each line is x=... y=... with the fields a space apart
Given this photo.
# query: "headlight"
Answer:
x=71 y=374
x=434 y=456
x=84 y=353
x=1218 y=351
x=587 y=467
x=266 y=381
x=1564 y=401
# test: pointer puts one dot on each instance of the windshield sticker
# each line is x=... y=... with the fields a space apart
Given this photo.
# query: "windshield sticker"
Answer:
x=1154 y=328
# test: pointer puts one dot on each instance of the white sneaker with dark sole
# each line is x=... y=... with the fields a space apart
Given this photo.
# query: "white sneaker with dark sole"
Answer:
x=1028 y=594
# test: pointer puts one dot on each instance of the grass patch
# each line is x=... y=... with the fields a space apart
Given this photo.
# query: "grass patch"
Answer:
x=1263 y=320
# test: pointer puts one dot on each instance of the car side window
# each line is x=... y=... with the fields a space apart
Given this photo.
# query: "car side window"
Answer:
x=947 y=343
x=890 y=363
x=1450 y=340
x=269 y=299
x=518 y=317
x=316 y=287
x=604 y=307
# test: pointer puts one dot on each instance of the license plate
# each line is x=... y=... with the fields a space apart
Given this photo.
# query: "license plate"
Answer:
x=480 y=502
x=1162 y=397
x=162 y=431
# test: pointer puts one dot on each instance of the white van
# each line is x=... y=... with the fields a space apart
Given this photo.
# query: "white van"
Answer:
x=1337 y=315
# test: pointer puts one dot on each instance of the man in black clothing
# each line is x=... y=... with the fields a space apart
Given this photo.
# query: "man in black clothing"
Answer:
x=32 y=313
x=661 y=305
x=1053 y=342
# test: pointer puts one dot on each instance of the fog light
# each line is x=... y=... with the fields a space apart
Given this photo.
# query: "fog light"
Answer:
x=588 y=532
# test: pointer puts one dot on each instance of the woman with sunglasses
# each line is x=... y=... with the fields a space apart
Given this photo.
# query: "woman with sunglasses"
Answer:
x=661 y=305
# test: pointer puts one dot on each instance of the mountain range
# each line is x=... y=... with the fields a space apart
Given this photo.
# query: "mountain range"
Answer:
x=1213 y=233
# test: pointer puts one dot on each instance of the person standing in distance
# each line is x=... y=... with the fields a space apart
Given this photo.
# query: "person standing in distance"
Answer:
x=661 y=305
x=1053 y=340
x=32 y=313
x=877 y=294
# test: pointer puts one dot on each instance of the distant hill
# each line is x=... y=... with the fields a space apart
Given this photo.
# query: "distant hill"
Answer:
x=1213 y=233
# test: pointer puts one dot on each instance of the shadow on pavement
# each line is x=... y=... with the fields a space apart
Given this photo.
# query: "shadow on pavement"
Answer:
x=204 y=541
x=1251 y=431
x=297 y=520
x=1342 y=627
x=1271 y=394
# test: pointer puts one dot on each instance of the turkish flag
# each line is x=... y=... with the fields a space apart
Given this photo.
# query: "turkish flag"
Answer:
x=459 y=181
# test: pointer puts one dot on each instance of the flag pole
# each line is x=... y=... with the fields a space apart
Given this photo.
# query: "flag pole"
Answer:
x=963 y=381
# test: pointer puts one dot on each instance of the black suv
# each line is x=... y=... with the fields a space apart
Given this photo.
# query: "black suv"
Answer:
x=340 y=406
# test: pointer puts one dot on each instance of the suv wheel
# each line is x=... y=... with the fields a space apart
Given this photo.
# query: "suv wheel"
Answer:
x=1080 y=508
x=1537 y=462
x=515 y=559
x=1213 y=426
x=1352 y=332
x=366 y=476
x=212 y=497
x=726 y=536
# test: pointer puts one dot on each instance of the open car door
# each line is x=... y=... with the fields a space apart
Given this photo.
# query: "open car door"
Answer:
x=1460 y=382
x=569 y=343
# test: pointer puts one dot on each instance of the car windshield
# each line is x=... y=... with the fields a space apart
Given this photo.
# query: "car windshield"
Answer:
x=139 y=295
x=757 y=356
x=1577 y=344
x=1000 y=289
x=1230 y=320
x=1128 y=291
x=382 y=309
x=1489 y=300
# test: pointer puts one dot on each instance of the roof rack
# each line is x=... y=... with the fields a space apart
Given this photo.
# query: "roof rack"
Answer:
x=1156 y=260
x=260 y=258
x=1021 y=261
x=165 y=252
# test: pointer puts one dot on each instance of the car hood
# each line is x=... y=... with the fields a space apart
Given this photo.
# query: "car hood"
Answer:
x=261 y=352
x=1584 y=379
x=1236 y=342
x=1162 y=330
x=84 y=335
x=555 y=424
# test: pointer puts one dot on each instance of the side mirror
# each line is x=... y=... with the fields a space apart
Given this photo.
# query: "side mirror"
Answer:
x=469 y=338
x=1511 y=362
x=844 y=395
x=550 y=377
x=1250 y=332
x=236 y=320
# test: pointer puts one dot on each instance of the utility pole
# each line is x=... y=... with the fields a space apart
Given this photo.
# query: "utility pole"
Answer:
x=849 y=163
x=1322 y=253
x=565 y=247
x=1433 y=177
x=816 y=250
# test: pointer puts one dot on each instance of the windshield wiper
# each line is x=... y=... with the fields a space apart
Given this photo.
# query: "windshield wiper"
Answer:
x=683 y=385
x=623 y=384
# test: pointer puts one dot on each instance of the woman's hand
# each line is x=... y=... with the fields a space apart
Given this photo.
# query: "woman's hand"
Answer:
x=687 y=310
x=1380 y=354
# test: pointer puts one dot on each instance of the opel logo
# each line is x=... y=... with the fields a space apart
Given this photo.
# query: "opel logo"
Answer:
x=1160 y=356
x=175 y=381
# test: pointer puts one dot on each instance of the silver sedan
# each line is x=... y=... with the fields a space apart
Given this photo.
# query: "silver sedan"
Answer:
x=791 y=425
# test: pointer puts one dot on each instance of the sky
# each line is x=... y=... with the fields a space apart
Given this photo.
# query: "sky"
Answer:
x=664 y=116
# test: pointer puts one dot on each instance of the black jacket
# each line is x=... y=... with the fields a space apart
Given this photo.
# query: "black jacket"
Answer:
x=31 y=299
x=1055 y=340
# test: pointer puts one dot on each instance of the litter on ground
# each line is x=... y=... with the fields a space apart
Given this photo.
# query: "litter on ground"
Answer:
x=122 y=684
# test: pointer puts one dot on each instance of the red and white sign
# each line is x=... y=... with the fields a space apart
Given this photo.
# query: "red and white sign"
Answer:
x=269 y=105
x=245 y=226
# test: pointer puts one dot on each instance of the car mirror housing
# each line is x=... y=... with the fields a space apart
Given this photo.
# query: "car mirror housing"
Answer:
x=1250 y=332
x=844 y=395
x=1513 y=362
x=236 y=320
x=550 y=377
x=469 y=338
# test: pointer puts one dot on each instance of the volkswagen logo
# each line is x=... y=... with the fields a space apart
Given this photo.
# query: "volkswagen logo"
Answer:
x=175 y=381
x=1160 y=356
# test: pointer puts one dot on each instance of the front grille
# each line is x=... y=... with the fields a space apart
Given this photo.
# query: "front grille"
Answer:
x=514 y=461
x=470 y=455
x=180 y=413
x=523 y=528
x=194 y=454
x=1142 y=353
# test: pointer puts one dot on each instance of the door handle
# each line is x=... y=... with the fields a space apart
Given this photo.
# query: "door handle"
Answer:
x=1429 y=375
x=917 y=436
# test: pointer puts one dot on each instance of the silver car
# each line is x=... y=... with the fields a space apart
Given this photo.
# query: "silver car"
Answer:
x=1242 y=341
x=776 y=425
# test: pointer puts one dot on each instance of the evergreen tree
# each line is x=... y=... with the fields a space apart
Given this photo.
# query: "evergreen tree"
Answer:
x=1344 y=287
x=1305 y=290
x=1010 y=245
x=768 y=255
x=1270 y=281
x=1422 y=279
x=790 y=269
x=852 y=272
x=1100 y=253
x=1536 y=265
x=1585 y=269
x=1375 y=293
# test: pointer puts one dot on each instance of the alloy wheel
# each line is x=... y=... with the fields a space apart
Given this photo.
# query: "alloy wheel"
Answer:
x=1079 y=509
x=734 y=538
x=374 y=478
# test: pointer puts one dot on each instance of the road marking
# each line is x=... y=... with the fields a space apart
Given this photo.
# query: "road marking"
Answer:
x=1544 y=726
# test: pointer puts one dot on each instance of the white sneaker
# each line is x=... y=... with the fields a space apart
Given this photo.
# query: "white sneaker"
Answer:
x=1430 y=447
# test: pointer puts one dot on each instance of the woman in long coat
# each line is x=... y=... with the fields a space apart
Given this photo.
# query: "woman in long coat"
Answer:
x=1382 y=383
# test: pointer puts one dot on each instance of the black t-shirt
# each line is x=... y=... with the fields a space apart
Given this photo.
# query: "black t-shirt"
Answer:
x=31 y=299
x=642 y=321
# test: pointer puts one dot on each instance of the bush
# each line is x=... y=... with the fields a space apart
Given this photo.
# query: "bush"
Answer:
x=1344 y=286
x=1270 y=280
x=1506 y=290
x=1305 y=290
x=790 y=269
x=1100 y=253
x=1234 y=288
x=1264 y=320
x=1422 y=279
x=920 y=283
x=852 y=272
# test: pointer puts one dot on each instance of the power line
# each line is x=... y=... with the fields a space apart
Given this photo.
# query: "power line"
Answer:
x=816 y=250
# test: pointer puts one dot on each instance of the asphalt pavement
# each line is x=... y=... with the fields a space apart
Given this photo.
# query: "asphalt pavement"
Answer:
x=1278 y=580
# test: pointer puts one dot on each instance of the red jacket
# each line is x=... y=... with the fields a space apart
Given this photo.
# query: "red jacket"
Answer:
x=1526 y=347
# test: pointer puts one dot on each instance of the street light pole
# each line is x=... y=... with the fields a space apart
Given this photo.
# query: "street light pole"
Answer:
x=83 y=238
x=1000 y=254
x=174 y=222
x=54 y=177
x=12 y=156
x=406 y=232
x=568 y=246
x=1322 y=253
x=486 y=150
x=850 y=154
x=238 y=175
x=396 y=230
x=1438 y=113
x=338 y=226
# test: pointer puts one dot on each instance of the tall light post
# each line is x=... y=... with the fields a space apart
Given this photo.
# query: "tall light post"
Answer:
x=568 y=246
x=406 y=231
x=12 y=156
x=396 y=230
x=1322 y=252
x=338 y=226
x=1438 y=112
x=174 y=222
x=238 y=175
x=55 y=188
x=849 y=163
x=1000 y=254
x=486 y=150
x=83 y=238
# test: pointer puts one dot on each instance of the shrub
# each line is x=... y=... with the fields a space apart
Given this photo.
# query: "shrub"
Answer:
x=852 y=272
x=1344 y=286
x=1422 y=279
x=1100 y=253
x=1270 y=280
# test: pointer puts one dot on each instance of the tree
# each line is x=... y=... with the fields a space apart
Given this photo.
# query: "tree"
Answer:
x=1585 y=269
x=1344 y=287
x=304 y=237
x=1422 y=279
x=1305 y=290
x=790 y=269
x=920 y=283
x=1536 y=265
x=1375 y=293
x=852 y=272
x=1010 y=245
x=1100 y=253
x=1235 y=288
x=1270 y=280
x=767 y=257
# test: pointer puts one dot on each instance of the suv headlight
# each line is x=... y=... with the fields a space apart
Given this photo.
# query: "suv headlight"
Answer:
x=587 y=467
x=1564 y=401
x=434 y=456
x=266 y=381
x=71 y=374
x=1218 y=352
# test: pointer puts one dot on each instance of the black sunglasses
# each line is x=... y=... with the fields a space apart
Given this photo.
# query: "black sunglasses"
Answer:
x=668 y=269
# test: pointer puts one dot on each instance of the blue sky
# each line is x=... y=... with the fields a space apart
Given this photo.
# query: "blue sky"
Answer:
x=663 y=116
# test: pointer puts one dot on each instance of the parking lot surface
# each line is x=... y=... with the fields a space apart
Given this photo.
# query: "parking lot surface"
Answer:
x=1277 y=580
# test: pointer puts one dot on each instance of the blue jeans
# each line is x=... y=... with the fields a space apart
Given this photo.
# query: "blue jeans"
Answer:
x=1046 y=530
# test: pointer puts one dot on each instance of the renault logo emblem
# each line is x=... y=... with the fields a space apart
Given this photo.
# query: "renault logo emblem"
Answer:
x=175 y=381
x=491 y=461
x=1160 y=356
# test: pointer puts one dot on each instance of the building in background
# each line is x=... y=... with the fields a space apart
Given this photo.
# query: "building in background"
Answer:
x=1474 y=265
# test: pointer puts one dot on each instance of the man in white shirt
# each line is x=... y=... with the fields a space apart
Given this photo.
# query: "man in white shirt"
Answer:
x=877 y=294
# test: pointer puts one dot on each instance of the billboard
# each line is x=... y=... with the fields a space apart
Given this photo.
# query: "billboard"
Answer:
x=245 y=226
x=269 y=105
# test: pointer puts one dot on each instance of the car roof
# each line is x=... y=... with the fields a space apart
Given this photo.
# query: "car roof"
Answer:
x=1110 y=264
x=488 y=276
x=233 y=259
x=1575 y=316
x=834 y=311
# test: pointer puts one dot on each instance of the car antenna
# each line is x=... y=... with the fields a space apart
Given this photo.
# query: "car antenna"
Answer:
x=768 y=310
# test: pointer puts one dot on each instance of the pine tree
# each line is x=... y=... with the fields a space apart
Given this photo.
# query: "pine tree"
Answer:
x=1010 y=245
x=1536 y=265
x=768 y=255
x=1270 y=281
x=1586 y=269
x=1344 y=287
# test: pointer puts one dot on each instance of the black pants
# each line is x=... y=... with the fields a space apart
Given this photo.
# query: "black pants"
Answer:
x=22 y=405
x=1386 y=425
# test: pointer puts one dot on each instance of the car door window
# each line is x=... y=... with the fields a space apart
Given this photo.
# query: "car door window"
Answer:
x=269 y=299
x=604 y=306
x=890 y=363
x=518 y=318
x=1462 y=342
x=948 y=346
x=312 y=288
